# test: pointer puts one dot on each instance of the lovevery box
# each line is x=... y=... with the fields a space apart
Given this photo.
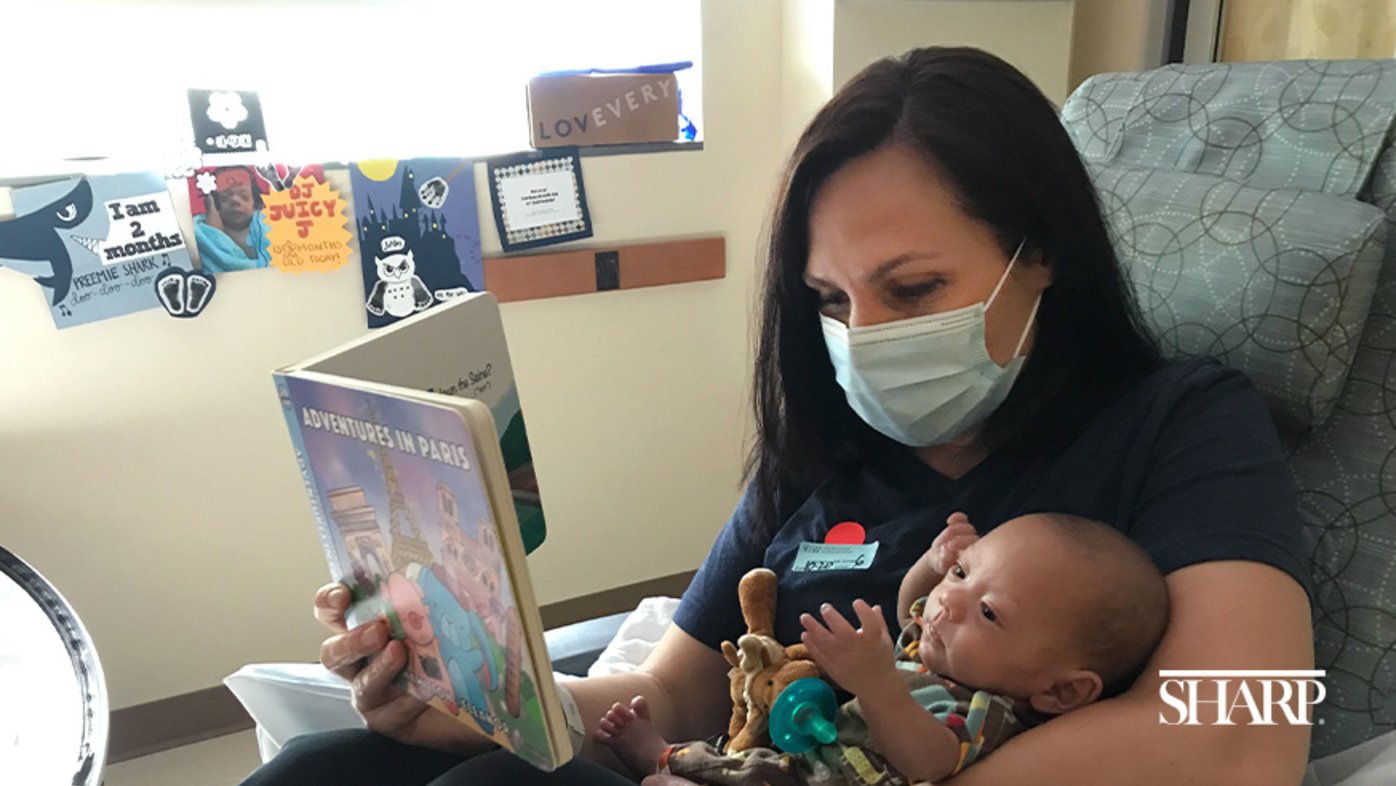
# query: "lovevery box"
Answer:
x=603 y=107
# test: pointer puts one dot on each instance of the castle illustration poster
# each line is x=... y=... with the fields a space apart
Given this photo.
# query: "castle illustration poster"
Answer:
x=418 y=232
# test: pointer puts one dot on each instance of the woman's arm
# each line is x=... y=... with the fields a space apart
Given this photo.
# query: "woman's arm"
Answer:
x=1225 y=615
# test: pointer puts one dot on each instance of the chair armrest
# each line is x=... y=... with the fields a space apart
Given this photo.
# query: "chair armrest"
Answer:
x=573 y=648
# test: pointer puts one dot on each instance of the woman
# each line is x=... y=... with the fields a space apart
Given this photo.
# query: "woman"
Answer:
x=945 y=329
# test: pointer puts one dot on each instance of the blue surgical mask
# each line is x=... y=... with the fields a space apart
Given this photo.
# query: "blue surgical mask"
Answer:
x=926 y=380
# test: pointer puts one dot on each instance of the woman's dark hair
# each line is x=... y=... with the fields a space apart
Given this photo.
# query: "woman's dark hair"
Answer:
x=997 y=141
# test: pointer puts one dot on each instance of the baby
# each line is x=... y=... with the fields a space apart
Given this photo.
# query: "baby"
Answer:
x=1043 y=615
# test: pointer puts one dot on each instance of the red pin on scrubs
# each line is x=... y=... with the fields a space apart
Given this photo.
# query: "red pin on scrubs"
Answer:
x=846 y=533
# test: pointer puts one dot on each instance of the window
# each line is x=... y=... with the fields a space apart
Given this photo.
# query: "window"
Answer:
x=338 y=80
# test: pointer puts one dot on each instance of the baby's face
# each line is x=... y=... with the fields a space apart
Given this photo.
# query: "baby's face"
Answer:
x=1002 y=619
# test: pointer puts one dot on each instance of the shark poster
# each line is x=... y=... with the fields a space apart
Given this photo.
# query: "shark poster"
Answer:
x=95 y=244
x=418 y=232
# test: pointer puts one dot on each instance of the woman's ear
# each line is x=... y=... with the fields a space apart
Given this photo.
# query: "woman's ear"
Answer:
x=1073 y=690
x=1038 y=271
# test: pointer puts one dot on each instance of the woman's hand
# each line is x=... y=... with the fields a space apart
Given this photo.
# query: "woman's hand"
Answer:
x=368 y=659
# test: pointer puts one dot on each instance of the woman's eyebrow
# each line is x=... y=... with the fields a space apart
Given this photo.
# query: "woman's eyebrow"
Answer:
x=883 y=269
x=888 y=267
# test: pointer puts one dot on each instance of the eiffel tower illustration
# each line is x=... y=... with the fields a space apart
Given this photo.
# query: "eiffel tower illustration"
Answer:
x=408 y=545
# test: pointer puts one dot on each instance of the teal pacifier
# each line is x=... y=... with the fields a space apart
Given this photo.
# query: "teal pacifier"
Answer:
x=803 y=716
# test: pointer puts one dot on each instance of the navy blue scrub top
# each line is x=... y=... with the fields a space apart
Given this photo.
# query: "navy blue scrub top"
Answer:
x=1187 y=464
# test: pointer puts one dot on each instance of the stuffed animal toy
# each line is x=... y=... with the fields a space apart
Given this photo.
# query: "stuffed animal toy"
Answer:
x=761 y=667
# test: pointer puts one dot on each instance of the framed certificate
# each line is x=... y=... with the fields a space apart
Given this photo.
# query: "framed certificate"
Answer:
x=538 y=198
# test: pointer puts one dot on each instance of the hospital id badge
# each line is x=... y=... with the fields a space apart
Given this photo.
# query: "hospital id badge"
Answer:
x=818 y=557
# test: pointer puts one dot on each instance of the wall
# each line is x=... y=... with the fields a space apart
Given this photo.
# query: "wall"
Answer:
x=807 y=62
x=1116 y=35
x=1033 y=35
x=145 y=469
x=1300 y=29
x=144 y=465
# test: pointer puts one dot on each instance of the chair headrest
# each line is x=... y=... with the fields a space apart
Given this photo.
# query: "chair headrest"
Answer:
x=1276 y=283
x=1310 y=125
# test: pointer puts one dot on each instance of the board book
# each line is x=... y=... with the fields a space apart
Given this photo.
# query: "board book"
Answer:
x=457 y=349
x=417 y=515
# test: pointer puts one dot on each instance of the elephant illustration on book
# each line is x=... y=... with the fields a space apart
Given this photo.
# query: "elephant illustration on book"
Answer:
x=470 y=657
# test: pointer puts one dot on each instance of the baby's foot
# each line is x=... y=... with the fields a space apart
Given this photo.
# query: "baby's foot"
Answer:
x=628 y=732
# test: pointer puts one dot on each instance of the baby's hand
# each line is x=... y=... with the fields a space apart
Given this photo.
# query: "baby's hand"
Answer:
x=955 y=538
x=857 y=659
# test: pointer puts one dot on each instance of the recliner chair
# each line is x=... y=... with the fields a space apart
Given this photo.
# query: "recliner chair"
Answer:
x=1253 y=204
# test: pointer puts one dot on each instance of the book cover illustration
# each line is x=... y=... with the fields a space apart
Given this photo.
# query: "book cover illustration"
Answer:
x=95 y=244
x=419 y=234
x=406 y=522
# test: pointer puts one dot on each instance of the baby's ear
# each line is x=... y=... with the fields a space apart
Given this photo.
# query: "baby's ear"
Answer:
x=1070 y=691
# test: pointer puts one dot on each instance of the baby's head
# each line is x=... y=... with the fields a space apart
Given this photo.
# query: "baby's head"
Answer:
x=1054 y=609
